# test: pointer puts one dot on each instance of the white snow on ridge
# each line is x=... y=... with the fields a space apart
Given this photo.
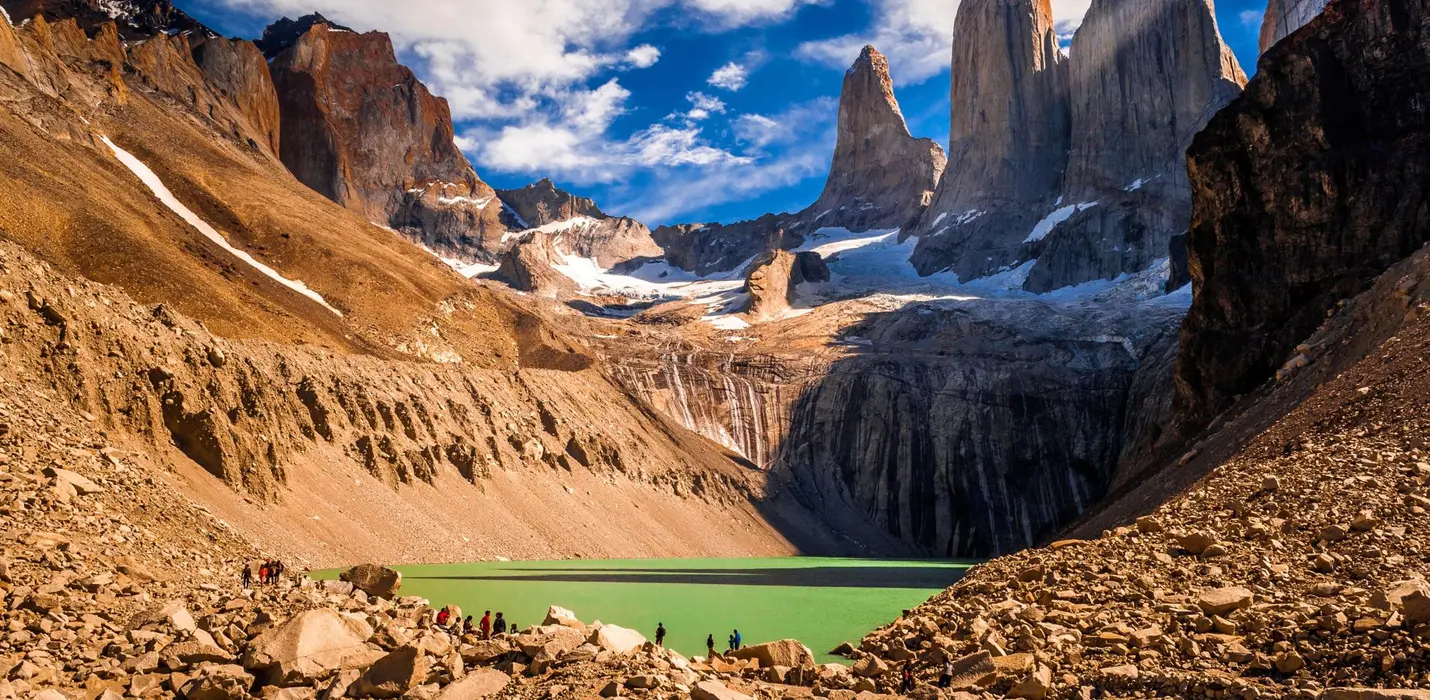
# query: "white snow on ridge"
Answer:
x=1136 y=185
x=168 y=199
x=1046 y=226
x=6 y=15
x=565 y=225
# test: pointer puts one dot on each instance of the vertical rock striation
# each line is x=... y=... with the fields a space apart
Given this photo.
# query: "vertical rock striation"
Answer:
x=359 y=128
x=1008 y=137
x=1305 y=189
x=1146 y=75
x=881 y=176
x=1286 y=16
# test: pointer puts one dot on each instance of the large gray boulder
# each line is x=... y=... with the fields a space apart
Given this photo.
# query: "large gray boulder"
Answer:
x=374 y=580
x=309 y=646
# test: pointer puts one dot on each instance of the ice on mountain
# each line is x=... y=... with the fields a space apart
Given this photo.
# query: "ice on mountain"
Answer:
x=1051 y=221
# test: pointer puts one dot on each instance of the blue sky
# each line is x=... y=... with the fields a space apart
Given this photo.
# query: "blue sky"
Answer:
x=666 y=110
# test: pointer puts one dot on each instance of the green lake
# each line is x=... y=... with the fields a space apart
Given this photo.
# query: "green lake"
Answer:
x=819 y=601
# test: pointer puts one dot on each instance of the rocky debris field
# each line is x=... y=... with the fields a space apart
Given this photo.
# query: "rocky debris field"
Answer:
x=1296 y=569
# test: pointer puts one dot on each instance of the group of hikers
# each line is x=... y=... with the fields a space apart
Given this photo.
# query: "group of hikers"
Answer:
x=268 y=572
x=484 y=629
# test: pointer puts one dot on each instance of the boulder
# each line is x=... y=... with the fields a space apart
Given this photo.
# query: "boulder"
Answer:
x=968 y=670
x=218 y=682
x=1416 y=607
x=549 y=642
x=1391 y=598
x=1195 y=542
x=309 y=646
x=557 y=615
x=870 y=667
x=374 y=580
x=393 y=675
x=1035 y=686
x=480 y=683
x=714 y=690
x=80 y=484
x=617 y=639
x=485 y=651
x=1221 y=601
x=173 y=613
x=786 y=652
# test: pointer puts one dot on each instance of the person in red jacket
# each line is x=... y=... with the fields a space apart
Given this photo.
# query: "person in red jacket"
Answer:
x=487 y=625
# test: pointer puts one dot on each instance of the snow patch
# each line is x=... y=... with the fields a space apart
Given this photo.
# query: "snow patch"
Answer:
x=1052 y=220
x=168 y=199
x=1136 y=185
x=6 y=15
x=566 y=225
x=728 y=323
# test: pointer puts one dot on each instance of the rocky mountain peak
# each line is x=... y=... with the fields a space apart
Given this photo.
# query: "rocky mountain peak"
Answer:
x=881 y=176
x=1286 y=16
x=135 y=19
x=542 y=203
x=285 y=32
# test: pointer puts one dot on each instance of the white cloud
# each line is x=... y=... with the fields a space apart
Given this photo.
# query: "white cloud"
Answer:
x=702 y=106
x=916 y=35
x=740 y=12
x=731 y=76
x=804 y=135
x=1251 y=18
x=643 y=56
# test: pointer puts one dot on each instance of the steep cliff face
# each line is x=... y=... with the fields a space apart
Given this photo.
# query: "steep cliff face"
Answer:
x=239 y=72
x=1145 y=78
x=1286 y=16
x=582 y=229
x=360 y=129
x=1305 y=188
x=1008 y=137
x=881 y=176
x=529 y=266
x=710 y=248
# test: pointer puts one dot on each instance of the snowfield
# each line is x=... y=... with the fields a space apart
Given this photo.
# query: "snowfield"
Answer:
x=168 y=199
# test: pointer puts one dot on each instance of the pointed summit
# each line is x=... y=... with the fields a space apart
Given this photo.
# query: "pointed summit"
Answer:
x=881 y=176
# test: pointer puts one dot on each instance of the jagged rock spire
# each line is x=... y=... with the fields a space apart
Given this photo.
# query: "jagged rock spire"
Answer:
x=881 y=176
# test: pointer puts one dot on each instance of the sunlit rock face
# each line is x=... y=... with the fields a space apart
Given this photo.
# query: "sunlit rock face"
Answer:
x=1286 y=16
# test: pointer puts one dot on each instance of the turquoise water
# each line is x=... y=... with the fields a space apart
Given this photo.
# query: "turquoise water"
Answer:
x=819 y=601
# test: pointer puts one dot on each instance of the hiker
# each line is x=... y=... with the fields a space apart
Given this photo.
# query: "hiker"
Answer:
x=660 y=634
x=443 y=616
x=735 y=640
x=487 y=625
x=247 y=575
x=710 y=646
x=945 y=679
x=499 y=627
x=908 y=676
x=263 y=573
x=467 y=625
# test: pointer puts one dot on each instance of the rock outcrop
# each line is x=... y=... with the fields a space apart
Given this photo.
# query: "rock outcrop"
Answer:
x=580 y=227
x=1008 y=137
x=1305 y=188
x=529 y=266
x=1286 y=16
x=710 y=248
x=360 y=129
x=238 y=71
x=773 y=282
x=1145 y=78
x=881 y=176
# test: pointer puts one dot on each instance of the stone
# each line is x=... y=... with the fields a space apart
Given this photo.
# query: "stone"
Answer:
x=773 y=282
x=478 y=683
x=308 y=647
x=1365 y=522
x=715 y=690
x=549 y=642
x=1333 y=533
x=218 y=683
x=80 y=484
x=1289 y=662
x=1392 y=597
x=1035 y=686
x=173 y=613
x=616 y=639
x=374 y=580
x=611 y=690
x=1148 y=524
x=968 y=670
x=557 y=615
x=1123 y=672
x=1415 y=606
x=1195 y=542
x=1221 y=601
x=643 y=682
x=131 y=567
x=870 y=667
x=394 y=674
x=786 y=652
